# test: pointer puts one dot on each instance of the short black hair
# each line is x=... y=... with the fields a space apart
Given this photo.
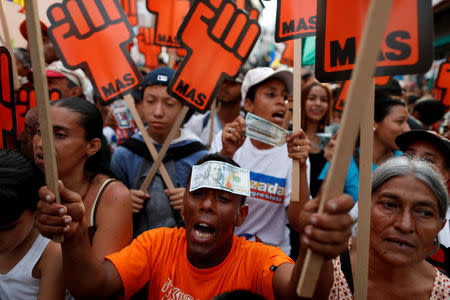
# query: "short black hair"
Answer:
x=383 y=104
x=20 y=180
x=218 y=157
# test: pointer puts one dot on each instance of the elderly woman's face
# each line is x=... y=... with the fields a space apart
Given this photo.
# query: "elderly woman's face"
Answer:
x=405 y=221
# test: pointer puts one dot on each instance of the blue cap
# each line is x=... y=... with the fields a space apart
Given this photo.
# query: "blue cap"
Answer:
x=160 y=76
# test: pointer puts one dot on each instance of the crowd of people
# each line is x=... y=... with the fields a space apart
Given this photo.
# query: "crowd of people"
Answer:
x=186 y=242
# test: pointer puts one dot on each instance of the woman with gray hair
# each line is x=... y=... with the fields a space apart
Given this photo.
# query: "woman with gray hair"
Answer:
x=409 y=202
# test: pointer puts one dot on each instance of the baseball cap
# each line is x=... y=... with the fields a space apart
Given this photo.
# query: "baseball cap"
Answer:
x=161 y=76
x=24 y=31
x=441 y=143
x=258 y=75
x=57 y=70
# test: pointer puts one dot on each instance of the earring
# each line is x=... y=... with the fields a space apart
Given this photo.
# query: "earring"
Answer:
x=437 y=245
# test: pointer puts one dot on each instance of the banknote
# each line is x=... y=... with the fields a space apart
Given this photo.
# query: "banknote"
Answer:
x=222 y=176
x=264 y=131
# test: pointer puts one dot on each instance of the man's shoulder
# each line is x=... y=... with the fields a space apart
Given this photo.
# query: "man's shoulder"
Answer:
x=258 y=251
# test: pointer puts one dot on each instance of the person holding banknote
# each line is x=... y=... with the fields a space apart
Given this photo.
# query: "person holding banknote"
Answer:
x=177 y=262
x=264 y=92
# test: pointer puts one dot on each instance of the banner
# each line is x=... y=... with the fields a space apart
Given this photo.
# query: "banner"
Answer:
x=130 y=9
x=8 y=124
x=148 y=48
x=295 y=19
x=443 y=82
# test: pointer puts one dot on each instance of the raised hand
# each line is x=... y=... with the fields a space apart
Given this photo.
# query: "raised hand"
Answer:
x=169 y=16
x=233 y=136
x=218 y=38
x=94 y=36
x=8 y=124
x=129 y=6
x=298 y=146
x=147 y=47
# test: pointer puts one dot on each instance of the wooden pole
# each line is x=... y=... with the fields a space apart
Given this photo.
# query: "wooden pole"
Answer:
x=130 y=103
x=9 y=45
x=296 y=118
x=361 y=81
x=212 y=119
x=365 y=187
x=42 y=98
x=162 y=152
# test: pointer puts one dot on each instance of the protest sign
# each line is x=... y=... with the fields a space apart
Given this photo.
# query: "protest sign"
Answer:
x=130 y=9
x=26 y=99
x=93 y=36
x=245 y=5
x=8 y=124
x=362 y=80
x=147 y=47
x=169 y=16
x=443 y=82
x=407 y=44
x=218 y=38
x=8 y=44
x=295 y=19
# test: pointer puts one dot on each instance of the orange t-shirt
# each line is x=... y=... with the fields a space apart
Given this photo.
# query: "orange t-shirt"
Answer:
x=159 y=257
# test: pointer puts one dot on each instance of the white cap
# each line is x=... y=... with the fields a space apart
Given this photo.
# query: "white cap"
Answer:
x=258 y=75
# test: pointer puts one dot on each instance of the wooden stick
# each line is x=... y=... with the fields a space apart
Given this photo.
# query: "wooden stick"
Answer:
x=365 y=186
x=9 y=45
x=296 y=118
x=153 y=152
x=362 y=80
x=212 y=118
x=162 y=152
x=42 y=99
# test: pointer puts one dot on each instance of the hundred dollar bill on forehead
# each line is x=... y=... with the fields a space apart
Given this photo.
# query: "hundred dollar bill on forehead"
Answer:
x=264 y=131
x=222 y=176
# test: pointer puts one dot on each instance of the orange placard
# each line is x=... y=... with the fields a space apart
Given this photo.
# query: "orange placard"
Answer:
x=93 y=35
x=8 y=124
x=130 y=9
x=288 y=54
x=147 y=47
x=443 y=82
x=169 y=16
x=218 y=38
x=295 y=19
x=340 y=101
x=407 y=46
x=245 y=5
x=26 y=99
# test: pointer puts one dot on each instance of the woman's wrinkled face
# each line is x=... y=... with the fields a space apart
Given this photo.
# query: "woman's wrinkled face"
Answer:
x=404 y=221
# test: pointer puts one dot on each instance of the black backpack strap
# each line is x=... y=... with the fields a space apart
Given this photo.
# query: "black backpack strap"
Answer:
x=346 y=267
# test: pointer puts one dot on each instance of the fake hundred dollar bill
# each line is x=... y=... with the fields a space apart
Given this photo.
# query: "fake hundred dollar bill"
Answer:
x=222 y=176
x=264 y=131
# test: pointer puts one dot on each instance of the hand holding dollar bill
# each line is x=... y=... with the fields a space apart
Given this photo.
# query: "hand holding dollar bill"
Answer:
x=222 y=176
x=264 y=131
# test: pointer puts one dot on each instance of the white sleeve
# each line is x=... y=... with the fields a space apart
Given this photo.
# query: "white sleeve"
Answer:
x=216 y=144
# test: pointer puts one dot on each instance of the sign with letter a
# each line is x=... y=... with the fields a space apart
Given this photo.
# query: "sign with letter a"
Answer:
x=218 y=38
x=407 y=46
x=93 y=35
x=295 y=19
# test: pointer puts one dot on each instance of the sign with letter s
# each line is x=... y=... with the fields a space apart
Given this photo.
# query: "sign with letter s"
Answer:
x=407 y=46
x=295 y=19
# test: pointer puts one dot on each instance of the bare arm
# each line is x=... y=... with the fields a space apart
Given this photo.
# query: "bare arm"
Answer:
x=114 y=221
x=84 y=273
x=326 y=234
x=51 y=285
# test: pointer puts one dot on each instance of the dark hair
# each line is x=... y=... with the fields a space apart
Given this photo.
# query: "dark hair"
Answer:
x=430 y=110
x=218 y=157
x=305 y=92
x=20 y=180
x=92 y=123
x=383 y=105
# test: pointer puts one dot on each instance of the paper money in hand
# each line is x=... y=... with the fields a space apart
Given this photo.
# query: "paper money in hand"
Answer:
x=222 y=176
x=264 y=131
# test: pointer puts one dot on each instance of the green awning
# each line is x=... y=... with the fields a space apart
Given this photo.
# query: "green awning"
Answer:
x=442 y=41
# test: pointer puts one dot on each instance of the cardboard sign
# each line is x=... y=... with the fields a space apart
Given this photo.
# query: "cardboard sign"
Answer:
x=8 y=124
x=407 y=46
x=94 y=37
x=169 y=16
x=147 y=47
x=443 y=82
x=340 y=101
x=243 y=4
x=288 y=54
x=26 y=100
x=218 y=38
x=295 y=19
x=130 y=9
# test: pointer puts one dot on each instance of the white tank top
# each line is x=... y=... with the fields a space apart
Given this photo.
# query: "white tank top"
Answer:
x=19 y=282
